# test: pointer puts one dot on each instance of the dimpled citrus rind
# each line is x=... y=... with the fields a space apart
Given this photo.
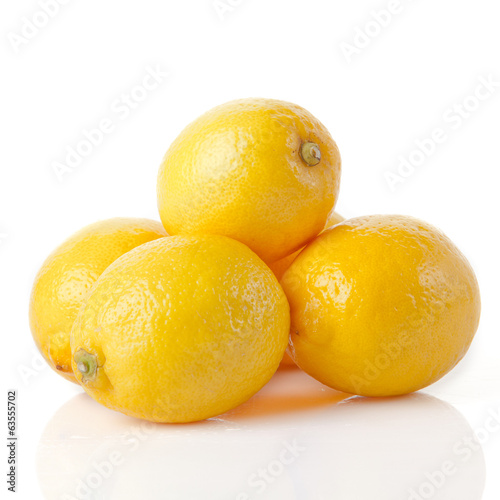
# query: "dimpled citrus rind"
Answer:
x=237 y=171
x=381 y=306
x=67 y=275
x=280 y=266
x=183 y=329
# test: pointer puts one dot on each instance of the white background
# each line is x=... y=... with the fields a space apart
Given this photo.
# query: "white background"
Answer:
x=400 y=87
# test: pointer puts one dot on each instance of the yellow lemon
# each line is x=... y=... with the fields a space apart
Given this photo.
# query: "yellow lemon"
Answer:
x=261 y=171
x=381 y=305
x=68 y=274
x=280 y=266
x=181 y=329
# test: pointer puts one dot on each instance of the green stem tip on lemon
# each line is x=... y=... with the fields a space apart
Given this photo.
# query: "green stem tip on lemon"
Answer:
x=86 y=364
x=310 y=153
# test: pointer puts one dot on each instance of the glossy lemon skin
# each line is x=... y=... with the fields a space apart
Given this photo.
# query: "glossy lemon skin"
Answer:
x=67 y=275
x=237 y=171
x=183 y=329
x=280 y=266
x=381 y=306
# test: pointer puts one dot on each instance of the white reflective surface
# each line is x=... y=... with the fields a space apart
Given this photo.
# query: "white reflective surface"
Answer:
x=296 y=439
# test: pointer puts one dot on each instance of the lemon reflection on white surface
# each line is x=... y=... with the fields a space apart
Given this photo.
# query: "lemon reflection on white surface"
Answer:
x=296 y=439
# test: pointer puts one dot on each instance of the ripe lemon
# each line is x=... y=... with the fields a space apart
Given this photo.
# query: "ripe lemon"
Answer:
x=381 y=305
x=261 y=171
x=280 y=266
x=181 y=329
x=67 y=275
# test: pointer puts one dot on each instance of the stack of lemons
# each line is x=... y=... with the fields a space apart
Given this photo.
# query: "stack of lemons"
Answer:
x=184 y=320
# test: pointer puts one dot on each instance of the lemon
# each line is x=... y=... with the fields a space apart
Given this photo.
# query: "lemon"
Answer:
x=181 y=329
x=261 y=171
x=280 y=266
x=381 y=306
x=67 y=275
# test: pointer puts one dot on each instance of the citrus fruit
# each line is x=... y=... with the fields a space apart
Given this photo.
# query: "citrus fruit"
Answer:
x=261 y=171
x=181 y=329
x=381 y=306
x=280 y=266
x=67 y=275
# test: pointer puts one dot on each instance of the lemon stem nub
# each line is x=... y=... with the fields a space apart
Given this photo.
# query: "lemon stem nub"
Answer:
x=83 y=367
x=86 y=364
x=310 y=153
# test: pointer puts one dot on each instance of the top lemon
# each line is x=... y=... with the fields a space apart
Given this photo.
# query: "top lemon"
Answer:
x=261 y=171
